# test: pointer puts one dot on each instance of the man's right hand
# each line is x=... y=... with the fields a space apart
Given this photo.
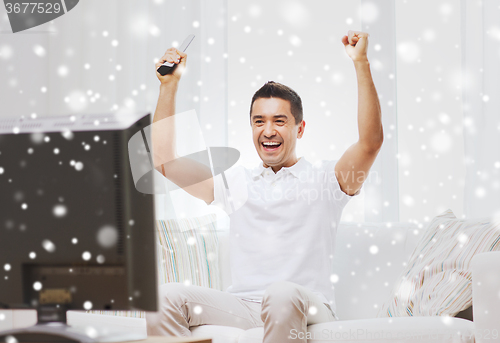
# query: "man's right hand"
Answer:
x=175 y=56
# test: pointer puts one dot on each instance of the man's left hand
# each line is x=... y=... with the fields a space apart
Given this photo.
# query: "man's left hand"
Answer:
x=356 y=45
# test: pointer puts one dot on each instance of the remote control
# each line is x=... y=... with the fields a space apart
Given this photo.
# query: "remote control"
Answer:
x=168 y=67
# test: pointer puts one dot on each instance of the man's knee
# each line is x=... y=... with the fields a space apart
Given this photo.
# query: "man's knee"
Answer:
x=168 y=320
x=281 y=301
x=283 y=292
x=171 y=293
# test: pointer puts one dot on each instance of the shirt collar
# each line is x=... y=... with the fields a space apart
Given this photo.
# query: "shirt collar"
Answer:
x=295 y=170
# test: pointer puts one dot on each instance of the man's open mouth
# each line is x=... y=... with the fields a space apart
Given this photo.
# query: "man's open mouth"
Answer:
x=270 y=146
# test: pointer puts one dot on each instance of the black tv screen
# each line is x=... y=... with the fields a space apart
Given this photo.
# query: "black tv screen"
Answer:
x=73 y=226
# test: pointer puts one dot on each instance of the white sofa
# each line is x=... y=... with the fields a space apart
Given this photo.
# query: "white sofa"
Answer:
x=365 y=280
x=368 y=260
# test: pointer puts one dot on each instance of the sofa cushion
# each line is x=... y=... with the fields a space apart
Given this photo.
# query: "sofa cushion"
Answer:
x=379 y=330
x=437 y=280
x=395 y=330
x=367 y=262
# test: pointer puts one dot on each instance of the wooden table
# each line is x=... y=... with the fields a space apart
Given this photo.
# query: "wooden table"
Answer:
x=165 y=339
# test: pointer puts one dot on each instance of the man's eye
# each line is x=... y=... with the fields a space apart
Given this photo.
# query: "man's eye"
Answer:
x=258 y=121
x=280 y=121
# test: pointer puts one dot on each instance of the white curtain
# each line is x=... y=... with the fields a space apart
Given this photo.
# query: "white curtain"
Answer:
x=382 y=192
x=100 y=57
x=481 y=81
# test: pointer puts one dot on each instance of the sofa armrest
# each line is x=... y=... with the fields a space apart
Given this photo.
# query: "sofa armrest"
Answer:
x=486 y=296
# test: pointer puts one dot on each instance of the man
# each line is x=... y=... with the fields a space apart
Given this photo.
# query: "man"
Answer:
x=282 y=229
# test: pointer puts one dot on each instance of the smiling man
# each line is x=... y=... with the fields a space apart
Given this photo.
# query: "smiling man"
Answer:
x=275 y=128
x=283 y=213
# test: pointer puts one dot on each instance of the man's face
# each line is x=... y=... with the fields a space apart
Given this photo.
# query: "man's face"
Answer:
x=275 y=132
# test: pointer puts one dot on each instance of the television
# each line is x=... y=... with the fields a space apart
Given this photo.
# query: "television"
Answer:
x=75 y=233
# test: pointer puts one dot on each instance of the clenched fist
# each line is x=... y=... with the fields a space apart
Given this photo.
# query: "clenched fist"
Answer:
x=172 y=55
x=356 y=45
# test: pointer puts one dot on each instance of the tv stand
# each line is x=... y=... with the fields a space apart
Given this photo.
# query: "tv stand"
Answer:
x=52 y=327
x=60 y=332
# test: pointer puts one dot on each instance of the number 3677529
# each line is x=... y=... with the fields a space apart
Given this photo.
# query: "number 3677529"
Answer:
x=33 y=7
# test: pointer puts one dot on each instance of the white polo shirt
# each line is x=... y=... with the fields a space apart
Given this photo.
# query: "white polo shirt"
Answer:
x=282 y=226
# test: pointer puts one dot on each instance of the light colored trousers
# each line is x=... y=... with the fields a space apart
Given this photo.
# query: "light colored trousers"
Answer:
x=286 y=310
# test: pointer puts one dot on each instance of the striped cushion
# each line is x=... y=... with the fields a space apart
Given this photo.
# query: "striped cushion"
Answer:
x=437 y=279
x=186 y=251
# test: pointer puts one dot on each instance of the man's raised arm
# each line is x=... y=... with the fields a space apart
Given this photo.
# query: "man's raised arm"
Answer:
x=353 y=167
x=184 y=172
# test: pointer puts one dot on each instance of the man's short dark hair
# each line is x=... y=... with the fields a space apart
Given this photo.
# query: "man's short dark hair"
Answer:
x=273 y=89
